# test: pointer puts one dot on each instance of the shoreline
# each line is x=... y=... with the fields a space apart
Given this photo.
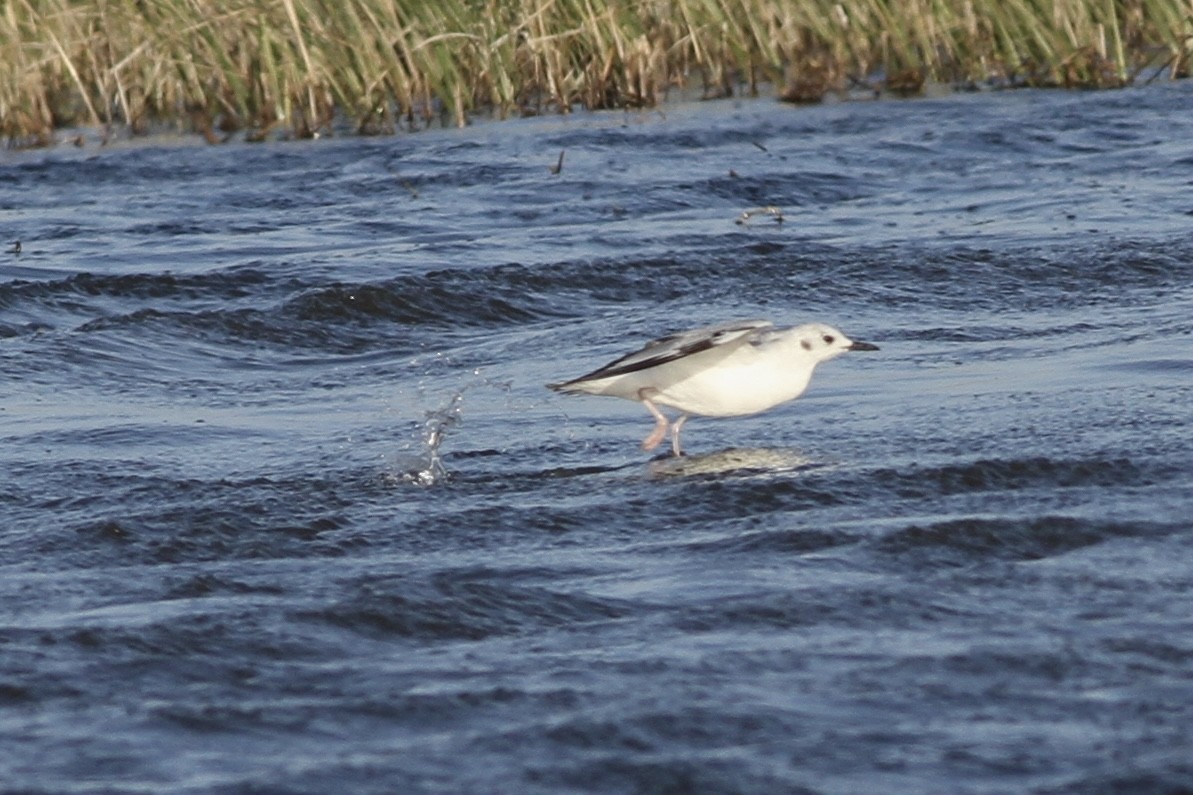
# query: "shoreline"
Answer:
x=176 y=134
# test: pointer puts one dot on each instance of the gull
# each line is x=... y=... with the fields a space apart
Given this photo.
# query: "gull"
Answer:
x=727 y=370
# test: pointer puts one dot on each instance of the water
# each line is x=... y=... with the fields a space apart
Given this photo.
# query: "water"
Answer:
x=286 y=506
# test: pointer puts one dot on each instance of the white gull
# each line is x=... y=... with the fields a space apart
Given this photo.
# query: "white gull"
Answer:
x=727 y=370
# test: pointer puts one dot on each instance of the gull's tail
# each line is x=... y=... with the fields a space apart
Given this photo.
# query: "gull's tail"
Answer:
x=573 y=387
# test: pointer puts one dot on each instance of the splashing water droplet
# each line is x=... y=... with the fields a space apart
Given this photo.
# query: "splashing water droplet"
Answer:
x=428 y=468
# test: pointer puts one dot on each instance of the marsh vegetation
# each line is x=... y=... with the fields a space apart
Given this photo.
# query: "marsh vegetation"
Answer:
x=292 y=67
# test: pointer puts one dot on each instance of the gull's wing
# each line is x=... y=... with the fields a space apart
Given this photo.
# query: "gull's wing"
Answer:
x=677 y=346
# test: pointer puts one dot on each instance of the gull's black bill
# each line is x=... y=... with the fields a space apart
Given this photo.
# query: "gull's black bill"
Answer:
x=862 y=346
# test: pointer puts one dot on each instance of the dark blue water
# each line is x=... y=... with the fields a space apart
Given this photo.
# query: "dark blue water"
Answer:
x=285 y=506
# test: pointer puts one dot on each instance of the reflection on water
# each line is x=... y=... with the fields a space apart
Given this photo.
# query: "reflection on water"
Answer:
x=739 y=460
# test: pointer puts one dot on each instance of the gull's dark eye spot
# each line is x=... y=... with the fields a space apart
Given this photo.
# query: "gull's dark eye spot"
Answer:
x=829 y=339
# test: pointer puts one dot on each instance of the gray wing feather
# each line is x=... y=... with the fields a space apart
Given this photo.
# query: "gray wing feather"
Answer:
x=676 y=346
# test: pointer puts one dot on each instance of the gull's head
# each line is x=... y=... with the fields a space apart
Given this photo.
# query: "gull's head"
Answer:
x=822 y=342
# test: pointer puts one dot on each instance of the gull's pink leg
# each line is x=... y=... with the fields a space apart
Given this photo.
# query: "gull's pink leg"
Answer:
x=661 y=424
x=675 y=426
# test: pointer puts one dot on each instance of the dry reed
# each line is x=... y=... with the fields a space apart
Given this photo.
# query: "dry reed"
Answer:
x=295 y=66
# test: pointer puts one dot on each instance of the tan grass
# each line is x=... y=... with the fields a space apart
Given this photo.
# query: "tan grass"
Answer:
x=293 y=66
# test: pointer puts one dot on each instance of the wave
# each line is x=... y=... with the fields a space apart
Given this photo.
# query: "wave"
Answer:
x=967 y=541
x=251 y=303
x=463 y=604
x=1012 y=475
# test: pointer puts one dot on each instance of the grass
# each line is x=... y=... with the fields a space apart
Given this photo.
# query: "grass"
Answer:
x=293 y=67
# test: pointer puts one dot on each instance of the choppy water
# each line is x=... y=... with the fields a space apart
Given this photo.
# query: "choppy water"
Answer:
x=285 y=506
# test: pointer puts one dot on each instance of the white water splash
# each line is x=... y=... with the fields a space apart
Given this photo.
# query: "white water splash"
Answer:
x=425 y=466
